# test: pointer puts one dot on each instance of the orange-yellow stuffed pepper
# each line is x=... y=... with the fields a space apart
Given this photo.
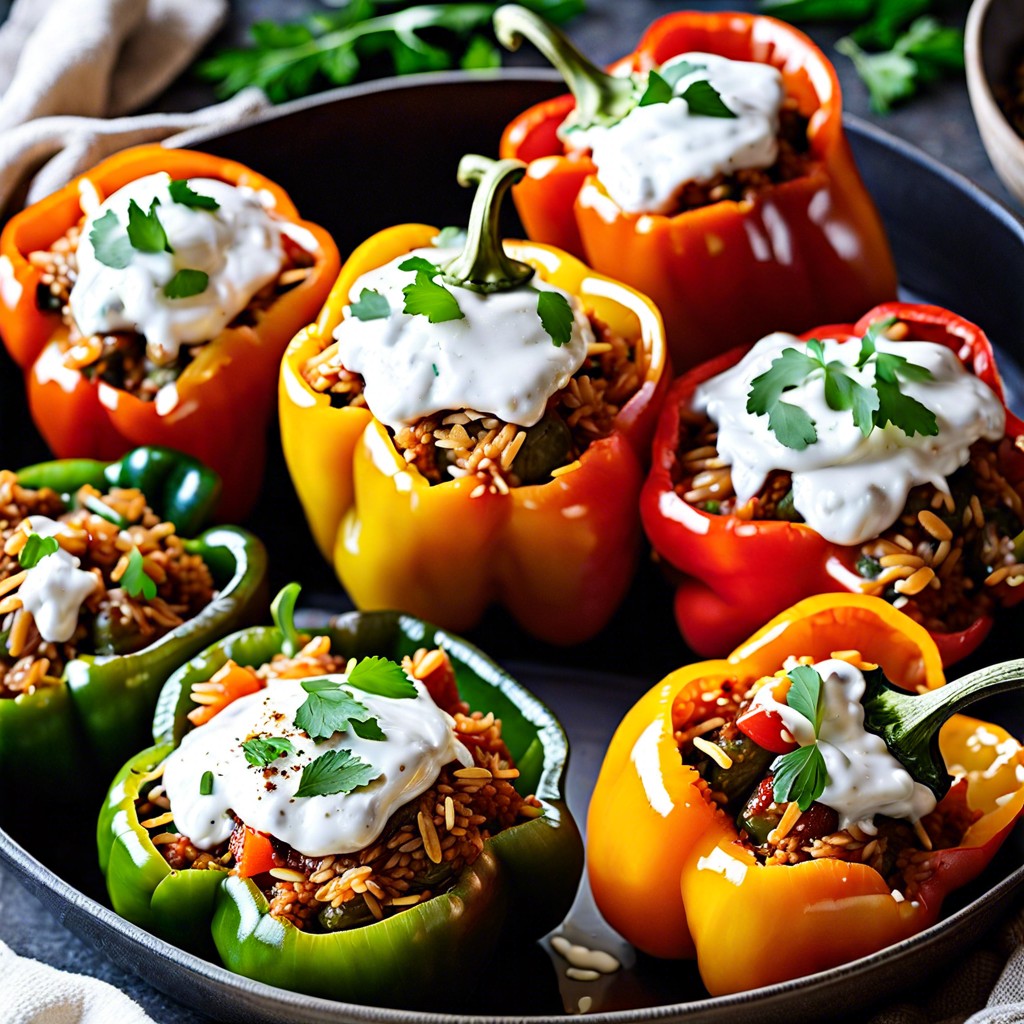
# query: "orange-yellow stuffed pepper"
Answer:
x=146 y=310
x=502 y=485
x=775 y=231
x=704 y=838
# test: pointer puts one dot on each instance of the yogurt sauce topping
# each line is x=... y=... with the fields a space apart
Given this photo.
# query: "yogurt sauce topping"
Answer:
x=55 y=587
x=420 y=741
x=646 y=158
x=864 y=779
x=238 y=245
x=848 y=487
x=497 y=360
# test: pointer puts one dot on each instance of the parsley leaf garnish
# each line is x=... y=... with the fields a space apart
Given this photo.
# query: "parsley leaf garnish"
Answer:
x=801 y=774
x=877 y=406
x=112 y=248
x=556 y=316
x=428 y=298
x=328 y=709
x=145 y=231
x=36 y=549
x=381 y=677
x=206 y=784
x=337 y=771
x=265 y=750
x=181 y=192
x=136 y=581
x=371 y=306
x=658 y=90
x=703 y=98
x=420 y=263
x=186 y=283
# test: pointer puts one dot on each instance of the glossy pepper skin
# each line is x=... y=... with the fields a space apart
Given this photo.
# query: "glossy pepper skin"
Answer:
x=521 y=885
x=225 y=395
x=737 y=572
x=104 y=705
x=559 y=556
x=803 y=251
x=665 y=867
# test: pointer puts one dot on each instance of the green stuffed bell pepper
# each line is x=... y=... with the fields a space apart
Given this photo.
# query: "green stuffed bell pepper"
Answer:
x=101 y=600
x=390 y=875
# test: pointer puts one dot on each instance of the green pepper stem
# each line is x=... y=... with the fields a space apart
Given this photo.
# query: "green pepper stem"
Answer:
x=600 y=98
x=909 y=723
x=483 y=265
x=282 y=610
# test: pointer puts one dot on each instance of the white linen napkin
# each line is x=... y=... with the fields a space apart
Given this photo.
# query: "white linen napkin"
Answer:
x=34 y=993
x=68 y=65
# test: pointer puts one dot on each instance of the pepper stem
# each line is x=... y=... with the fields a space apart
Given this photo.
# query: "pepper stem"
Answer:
x=600 y=98
x=282 y=610
x=483 y=265
x=909 y=723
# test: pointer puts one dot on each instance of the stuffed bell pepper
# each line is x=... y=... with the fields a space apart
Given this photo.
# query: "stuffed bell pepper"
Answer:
x=468 y=423
x=809 y=800
x=149 y=302
x=876 y=457
x=348 y=814
x=708 y=169
x=101 y=599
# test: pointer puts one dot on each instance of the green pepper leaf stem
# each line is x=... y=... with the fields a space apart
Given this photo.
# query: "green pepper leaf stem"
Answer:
x=483 y=265
x=909 y=723
x=600 y=98
x=282 y=610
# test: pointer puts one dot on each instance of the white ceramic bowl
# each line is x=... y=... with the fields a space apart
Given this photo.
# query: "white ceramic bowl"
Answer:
x=994 y=37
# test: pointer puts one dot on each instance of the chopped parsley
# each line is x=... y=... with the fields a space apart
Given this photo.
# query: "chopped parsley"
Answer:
x=36 y=549
x=801 y=775
x=371 y=306
x=265 y=750
x=112 y=248
x=145 y=232
x=337 y=771
x=556 y=316
x=330 y=708
x=701 y=96
x=427 y=298
x=136 y=581
x=181 y=192
x=381 y=677
x=186 y=283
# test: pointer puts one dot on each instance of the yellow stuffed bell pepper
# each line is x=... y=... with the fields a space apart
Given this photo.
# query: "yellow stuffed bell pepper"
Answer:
x=693 y=853
x=556 y=541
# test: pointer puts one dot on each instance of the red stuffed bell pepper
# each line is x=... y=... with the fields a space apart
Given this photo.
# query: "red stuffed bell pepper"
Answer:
x=788 y=239
x=144 y=310
x=943 y=543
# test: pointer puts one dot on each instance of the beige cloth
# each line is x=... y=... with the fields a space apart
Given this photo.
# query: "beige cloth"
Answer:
x=68 y=65
x=34 y=993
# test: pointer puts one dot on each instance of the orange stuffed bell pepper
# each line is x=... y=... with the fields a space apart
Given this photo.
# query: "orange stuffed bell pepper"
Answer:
x=959 y=529
x=513 y=396
x=743 y=809
x=148 y=312
x=777 y=231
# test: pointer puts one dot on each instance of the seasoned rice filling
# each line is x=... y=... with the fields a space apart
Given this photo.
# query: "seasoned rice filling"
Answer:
x=706 y=734
x=110 y=619
x=425 y=844
x=466 y=442
x=120 y=358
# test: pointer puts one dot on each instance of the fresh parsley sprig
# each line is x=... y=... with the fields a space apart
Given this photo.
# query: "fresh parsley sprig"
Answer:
x=263 y=751
x=136 y=581
x=427 y=297
x=182 y=192
x=371 y=305
x=701 y=96
x=337 y=771
x=330 y=708
x=292 y=59
x=556 y=317
x=883 y=403
x=802 y=775
x=36 y=548
x=383 y=678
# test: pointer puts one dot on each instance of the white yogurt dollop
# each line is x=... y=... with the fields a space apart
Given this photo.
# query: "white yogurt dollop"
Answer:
x=647 y=157
x=55 y=587
x=848 y=487
x=238 y=245
x=498 y=359
x=864 y=779
x=420 y=740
